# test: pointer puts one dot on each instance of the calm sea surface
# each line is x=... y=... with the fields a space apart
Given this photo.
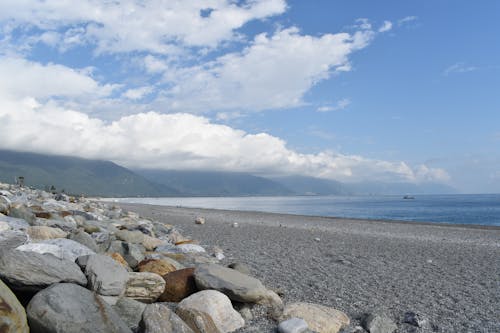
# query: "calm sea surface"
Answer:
x=463 y=209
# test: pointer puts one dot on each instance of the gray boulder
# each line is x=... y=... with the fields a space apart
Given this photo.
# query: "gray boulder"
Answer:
x=68 y=308
x=10 y=239
x=105 y=275
x=15 y=223
x=237 y=286
x=130 y=311
x=33 y=271
x=85 y=239
x=70 y=249
x=158 y=318
x=22 y=212
x=133 y=254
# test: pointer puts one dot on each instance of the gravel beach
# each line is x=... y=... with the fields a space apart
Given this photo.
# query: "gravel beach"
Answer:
x=448 y=274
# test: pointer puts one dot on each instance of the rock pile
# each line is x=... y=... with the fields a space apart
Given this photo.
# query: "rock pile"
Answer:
x=76 y=265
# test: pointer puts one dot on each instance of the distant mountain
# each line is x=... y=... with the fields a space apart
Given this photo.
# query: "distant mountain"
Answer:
x=375 y=188
x=211 y=183
x=302 y=185
x=77 y=175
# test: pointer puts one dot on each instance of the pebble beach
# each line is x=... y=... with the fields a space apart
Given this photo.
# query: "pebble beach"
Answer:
x=447 y=274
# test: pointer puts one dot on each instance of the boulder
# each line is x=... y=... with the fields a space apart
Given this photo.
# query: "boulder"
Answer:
x=42 y=248
x=237 y=286
x=158 y=266
x=144 y=287
x=43 y=233
x=22 y=212
x=158 y=318
x=379 y=323
x=242 y=268
x=4 y=205
x=130 y=311
x=68 y=308
x=33 y=271
x=319 y=318
x=11 y=239
x=293 y=325
x=85 y=239
x=206 y=309
x=119 y=259
x=178 y=285
x=105 y=276
x=133 y=254
x=182 y=248
x=15 y=223
x=70 y=249
x=137 y=237
x=12 y=314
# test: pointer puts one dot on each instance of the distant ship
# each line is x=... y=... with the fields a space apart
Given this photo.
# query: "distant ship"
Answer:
x=408 y=197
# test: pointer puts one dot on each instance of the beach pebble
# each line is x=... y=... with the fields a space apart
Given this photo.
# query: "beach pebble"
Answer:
x=415 y=319
x=317 y=239
x=159 y=318
x=12 y=314
x=380 y=323
x=32 y=271
x=206 y=309
x=178 y=285
x=144 y=287
x=235 y=225
x=319 y=318
x=293 y=325
x=69 y=308
x=199 y=220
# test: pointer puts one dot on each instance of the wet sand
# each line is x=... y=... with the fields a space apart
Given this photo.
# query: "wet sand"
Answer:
x=450 y=274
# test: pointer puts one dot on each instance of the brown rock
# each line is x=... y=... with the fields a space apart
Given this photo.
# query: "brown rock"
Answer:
x=43 y=232
x=158 y=266
x=43 y=215
x=12 y=313
x=178 y=285
x=65 y=213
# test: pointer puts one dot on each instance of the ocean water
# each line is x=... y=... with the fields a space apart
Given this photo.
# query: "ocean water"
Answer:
x=461 y=209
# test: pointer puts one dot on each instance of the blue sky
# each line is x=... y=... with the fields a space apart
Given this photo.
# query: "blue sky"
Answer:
x=348 y=90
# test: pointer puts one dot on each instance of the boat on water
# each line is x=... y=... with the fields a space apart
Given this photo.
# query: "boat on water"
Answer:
x=408 y=197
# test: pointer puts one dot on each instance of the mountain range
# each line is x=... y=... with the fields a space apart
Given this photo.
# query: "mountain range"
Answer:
x=104 y=178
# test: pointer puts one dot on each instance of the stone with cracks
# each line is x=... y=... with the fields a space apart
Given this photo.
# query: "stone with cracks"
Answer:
x=33 y=271
x=130 y=311
x=158 y=318
x=144 y=287
x=69 y=308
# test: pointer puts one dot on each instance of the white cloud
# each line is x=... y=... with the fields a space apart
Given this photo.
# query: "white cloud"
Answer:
x=157 y=26
x=340 y=105
x=407 y=19
x=273 y=72
x=138 y=93
x=459 y=67
x=385 y=27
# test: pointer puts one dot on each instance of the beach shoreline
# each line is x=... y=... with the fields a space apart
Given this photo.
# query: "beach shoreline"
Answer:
x=447 y=273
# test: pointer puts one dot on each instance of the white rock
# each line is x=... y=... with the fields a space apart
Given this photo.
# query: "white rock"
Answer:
x=70 y=249
x=293 y=325
x=190 y=248
x=199 y=220
x=42 y=249
x=217 y=306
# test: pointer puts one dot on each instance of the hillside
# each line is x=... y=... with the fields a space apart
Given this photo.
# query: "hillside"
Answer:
x=77 y=175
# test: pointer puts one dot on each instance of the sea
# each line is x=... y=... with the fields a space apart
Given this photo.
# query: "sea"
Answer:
x=483 y=209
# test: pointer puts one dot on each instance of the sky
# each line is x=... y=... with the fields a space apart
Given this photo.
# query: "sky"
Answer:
x=351 y=90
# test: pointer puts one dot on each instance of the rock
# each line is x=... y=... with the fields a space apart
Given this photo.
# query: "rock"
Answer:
x=85 y=239
x=105 y=276
x=158 y=266
x=182 y=248
x=246 y=312
x=242 y=268
x=33 y=271
x=43 y=233
x=22 y=212
x=70 y=249
x=203 y=310
x=137 y=237
x=4 y=205
x=319 y=318
x=12 y=239
x=199 y=220
x=103 y=240
x=144 y=287
x=119 y=259
x=416 y=319
x=130 y=311
x=4 y=226
x=379 y=323
x=133 y=254
x=158 y=318
x=237 y=286
x=235 y=225
x=42 y=249
x=68 y=308
x=178 y=285
x=15 y=223
x=293 y=325
x=12 y=314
